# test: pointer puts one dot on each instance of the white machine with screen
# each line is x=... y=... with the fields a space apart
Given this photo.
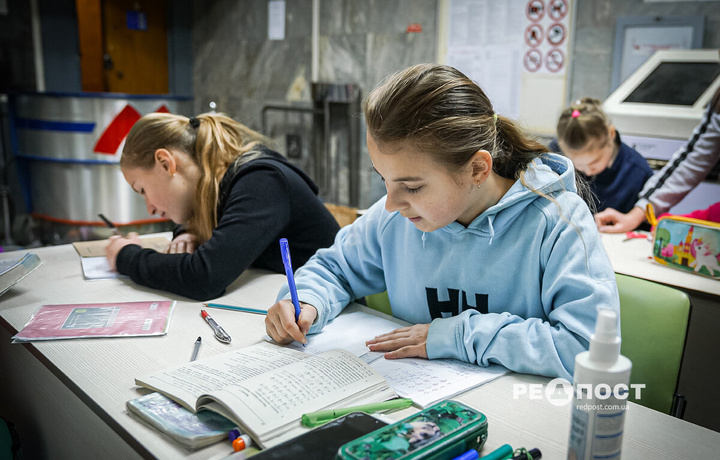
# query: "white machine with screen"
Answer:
x=659 y=105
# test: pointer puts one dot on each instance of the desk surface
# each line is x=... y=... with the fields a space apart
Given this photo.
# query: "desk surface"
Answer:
x=634 y=257
x=101 y=371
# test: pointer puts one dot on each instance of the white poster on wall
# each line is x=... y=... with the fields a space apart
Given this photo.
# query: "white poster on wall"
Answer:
x=276 y=20
x=517 y=51
x=485 y=43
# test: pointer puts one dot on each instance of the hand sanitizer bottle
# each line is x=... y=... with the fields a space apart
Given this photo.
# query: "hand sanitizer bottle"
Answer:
x=601 y=384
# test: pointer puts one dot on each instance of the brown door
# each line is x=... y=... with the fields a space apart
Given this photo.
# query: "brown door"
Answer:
x=135 y=46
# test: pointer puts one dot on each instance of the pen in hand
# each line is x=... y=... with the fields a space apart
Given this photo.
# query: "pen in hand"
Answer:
x=220 y=333
x=285 y=251
x=109 y=224
x=196 y=348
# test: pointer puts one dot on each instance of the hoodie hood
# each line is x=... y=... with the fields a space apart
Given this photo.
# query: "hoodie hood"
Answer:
x=260 y=157
x=272 y=157
x=548 y=175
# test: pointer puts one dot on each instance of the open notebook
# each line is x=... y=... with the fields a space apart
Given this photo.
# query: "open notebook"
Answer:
x=95 y=265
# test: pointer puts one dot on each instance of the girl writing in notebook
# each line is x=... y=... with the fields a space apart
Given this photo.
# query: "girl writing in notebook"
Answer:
x=233 y=197
x=481 y=241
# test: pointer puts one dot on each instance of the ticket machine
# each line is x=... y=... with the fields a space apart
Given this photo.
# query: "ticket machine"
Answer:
x=659 y=105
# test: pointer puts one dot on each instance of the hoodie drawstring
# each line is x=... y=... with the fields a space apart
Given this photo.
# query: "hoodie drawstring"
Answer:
x=492 y=230
x=422 y=238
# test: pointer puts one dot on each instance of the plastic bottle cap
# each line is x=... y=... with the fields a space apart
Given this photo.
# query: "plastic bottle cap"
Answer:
x=606 y=327
x=241 y=442
x=605 y=343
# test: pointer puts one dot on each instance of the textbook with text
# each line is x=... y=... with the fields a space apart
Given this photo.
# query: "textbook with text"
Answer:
x=265 y=388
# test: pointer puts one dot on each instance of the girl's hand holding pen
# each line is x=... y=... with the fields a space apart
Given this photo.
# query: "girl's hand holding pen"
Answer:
x=116 y=244
x=406 y=342
x=280 y=321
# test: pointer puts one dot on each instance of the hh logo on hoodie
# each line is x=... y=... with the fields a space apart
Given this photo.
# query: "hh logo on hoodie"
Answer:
x=453 y=306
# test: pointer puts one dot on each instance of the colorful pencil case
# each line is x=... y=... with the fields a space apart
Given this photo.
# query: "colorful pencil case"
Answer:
x=687 y=244
x=445 y=430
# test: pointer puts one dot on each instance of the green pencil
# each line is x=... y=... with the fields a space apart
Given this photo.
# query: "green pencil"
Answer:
x=235 y=308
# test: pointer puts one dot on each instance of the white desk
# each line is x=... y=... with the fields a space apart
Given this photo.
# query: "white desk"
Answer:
x=67 y=398
x=700 y=368
x=634 y=257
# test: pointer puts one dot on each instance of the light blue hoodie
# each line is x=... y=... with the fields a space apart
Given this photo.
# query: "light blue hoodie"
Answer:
x=520 y=286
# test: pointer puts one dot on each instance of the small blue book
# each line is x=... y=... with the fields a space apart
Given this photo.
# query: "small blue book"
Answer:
x=14 y=269
x=191 y=430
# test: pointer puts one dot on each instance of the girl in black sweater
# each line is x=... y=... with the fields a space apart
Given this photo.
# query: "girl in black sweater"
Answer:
x=233 y=197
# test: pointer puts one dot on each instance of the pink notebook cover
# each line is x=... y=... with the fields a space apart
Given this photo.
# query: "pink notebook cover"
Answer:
x=122 y=319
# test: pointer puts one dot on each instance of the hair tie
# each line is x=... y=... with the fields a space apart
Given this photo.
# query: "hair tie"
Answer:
x=495 y=118
x=575 y=113
x=194 y=122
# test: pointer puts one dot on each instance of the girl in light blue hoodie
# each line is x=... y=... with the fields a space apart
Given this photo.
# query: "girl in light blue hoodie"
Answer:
x=482 y=241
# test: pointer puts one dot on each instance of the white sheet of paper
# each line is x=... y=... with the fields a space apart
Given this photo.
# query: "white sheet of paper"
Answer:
x=276 y=20
x=97 y=268
x=424 y=381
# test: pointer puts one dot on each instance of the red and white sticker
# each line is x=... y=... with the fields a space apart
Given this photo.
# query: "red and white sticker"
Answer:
x=556 y=34
x=557 y=9
x=555 y=60
x=534 y=35
x=532 y=60
x=535 y=10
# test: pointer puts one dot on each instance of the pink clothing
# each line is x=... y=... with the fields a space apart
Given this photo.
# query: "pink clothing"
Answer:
x=712 y=213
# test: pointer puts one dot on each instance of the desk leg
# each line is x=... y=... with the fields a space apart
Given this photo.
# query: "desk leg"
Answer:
x=51 y=420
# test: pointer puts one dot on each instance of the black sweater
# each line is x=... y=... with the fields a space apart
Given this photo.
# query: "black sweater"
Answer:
x=259 y=202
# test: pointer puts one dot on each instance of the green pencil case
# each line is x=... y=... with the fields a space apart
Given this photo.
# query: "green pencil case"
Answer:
x=444 y=430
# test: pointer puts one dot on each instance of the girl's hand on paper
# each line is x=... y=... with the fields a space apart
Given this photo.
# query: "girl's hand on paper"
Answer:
x=185 y=242
x=116 y=244
x=406 y=342
x=280 y=321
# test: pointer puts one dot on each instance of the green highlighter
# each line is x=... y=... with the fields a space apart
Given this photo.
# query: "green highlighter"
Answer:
x=321 y=417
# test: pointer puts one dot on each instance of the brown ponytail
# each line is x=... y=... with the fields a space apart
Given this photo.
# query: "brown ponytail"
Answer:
x=443 y=113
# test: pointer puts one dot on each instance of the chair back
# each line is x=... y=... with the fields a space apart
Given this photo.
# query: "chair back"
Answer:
x=653 y=322
x=344 y=215
x=379 y=302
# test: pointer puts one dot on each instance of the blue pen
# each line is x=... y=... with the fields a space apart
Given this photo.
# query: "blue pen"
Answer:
x=285 y=250
x=472 y=454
